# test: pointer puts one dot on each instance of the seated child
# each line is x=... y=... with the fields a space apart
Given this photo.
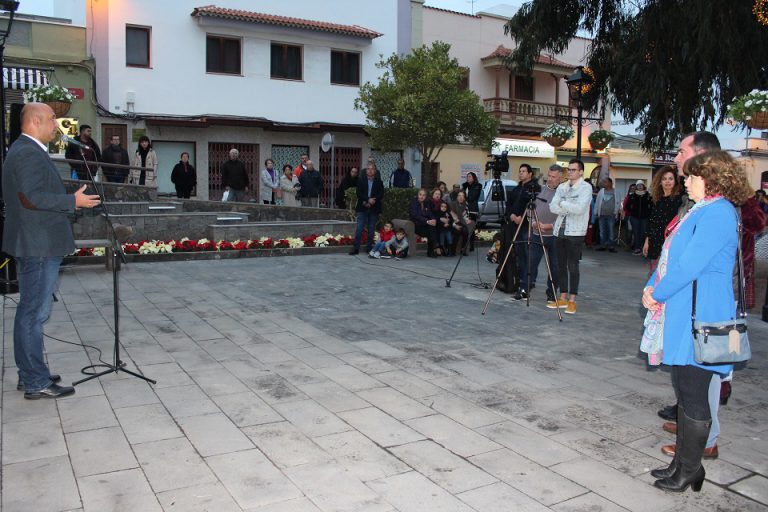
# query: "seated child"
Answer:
x=385 y=235
x=397 y=247
x=444 y=230
x=493 y=252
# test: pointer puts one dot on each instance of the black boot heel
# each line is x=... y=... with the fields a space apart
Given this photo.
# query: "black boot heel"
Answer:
x=696 y=486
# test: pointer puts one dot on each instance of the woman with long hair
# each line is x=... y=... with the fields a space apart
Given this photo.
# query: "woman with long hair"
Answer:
x=666 y=197
x=145 y=156
x=700 y=250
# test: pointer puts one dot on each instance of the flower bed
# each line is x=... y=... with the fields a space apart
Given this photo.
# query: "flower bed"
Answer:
x=185 y=245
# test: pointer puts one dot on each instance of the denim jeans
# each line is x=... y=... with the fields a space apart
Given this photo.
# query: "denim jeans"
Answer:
x=446 y=239
x=38 y=278
x=366 y=220
x=537 y=252
x=639 y=227
x=607 y=223
x=714 y=408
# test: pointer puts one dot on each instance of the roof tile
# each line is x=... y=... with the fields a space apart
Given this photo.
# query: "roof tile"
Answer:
x=502 y=51
x=284 y=21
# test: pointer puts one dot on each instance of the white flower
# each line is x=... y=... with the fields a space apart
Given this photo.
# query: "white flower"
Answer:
x=748 y=103
x=99 y=251
x=203 y=241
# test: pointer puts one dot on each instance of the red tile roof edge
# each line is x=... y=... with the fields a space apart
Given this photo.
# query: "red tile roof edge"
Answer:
x=503 y=51
x=272 y=19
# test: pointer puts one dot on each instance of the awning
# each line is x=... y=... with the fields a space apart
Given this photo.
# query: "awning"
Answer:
x=24 y=78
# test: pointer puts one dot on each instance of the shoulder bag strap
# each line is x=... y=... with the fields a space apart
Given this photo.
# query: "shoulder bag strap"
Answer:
x=693 y=309
x=742 y=302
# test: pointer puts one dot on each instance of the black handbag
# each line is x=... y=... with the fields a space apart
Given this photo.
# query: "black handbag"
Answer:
x=724 y=342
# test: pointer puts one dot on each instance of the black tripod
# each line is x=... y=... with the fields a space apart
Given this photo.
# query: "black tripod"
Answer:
x=118 y=257
x=497 y=194
x=530 y=216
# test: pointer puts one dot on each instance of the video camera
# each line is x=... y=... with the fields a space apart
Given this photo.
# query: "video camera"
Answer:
x=498 y=165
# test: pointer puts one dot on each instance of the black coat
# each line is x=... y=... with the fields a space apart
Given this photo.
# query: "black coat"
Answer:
x=234 y=175
x=639 y=206
x=377 y=192
x=473 y=195
x=115 y=155
x=184 y=179
x=518 y=198
x=91 y=155
x=311 y=183
x=346 y=183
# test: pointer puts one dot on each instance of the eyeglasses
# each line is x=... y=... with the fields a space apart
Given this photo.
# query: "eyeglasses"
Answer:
x=572 y=169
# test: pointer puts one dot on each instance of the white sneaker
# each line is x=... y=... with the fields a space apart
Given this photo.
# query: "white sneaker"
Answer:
x=377 y=254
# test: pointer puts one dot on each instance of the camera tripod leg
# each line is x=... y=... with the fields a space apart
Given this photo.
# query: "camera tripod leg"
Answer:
x=503 y=266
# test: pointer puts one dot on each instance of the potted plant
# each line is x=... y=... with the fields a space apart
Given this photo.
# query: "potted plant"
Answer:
x=750 y=109
x=556 y=134
x=55 y=96
x=599 y=139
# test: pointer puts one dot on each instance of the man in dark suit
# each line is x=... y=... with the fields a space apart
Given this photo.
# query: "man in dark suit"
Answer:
x=38 y=234
x=370 y=193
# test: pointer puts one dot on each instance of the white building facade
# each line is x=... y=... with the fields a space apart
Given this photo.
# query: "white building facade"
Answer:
x=269 y=78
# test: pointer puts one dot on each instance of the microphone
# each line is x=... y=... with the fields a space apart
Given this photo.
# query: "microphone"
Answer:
x=74 y=142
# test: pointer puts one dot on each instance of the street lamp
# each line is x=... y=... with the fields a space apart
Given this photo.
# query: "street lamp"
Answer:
x=578 y=84
x=8 y=282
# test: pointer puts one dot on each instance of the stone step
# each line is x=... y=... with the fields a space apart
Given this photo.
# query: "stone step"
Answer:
x=141 y=207
x=255 y=230
x=159 y=226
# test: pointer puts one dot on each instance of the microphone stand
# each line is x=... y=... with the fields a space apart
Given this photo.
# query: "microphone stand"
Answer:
x=118 y=257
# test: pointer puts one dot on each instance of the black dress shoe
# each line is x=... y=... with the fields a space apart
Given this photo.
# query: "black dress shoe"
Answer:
x=20 y=385
x=668 y=413
x=52 y=391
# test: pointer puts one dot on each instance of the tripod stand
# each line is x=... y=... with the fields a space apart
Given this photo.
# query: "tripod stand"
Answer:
x=530 y=216
x=496 y=194
x=118 y=257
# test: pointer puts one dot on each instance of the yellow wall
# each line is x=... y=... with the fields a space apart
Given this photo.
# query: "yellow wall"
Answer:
x=451 y=158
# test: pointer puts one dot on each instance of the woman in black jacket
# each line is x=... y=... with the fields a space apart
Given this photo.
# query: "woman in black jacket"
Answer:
x=183 y=177
x=472 y=190
x=349 y=181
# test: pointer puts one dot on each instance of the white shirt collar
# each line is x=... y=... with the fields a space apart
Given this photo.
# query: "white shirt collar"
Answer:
x=43 y=146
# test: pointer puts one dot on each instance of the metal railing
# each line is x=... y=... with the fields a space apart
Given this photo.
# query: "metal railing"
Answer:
x=511 y=112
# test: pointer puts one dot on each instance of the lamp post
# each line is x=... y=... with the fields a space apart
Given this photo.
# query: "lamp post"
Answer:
x=8 y=282
x=578 y=83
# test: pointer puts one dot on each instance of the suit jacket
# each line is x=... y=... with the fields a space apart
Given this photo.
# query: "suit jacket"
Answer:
x=377 y=192
x=37 y=204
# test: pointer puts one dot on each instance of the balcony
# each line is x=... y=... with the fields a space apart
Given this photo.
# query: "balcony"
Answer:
x=523 y=116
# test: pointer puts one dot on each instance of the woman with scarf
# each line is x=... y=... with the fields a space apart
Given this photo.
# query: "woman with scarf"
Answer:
x=698 y=256
x=270 y=183
x=145 y=156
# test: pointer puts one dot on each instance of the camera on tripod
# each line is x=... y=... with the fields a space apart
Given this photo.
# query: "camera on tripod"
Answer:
x=497 y=165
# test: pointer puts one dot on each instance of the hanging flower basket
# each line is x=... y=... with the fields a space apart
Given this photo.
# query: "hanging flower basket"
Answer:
x=599 y=139
x=750 y=109
x=759 y=121
x=60 y=108
x=555 y=141
x=557 y=134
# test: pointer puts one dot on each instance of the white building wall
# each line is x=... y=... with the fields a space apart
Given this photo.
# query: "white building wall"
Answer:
x=177 y=82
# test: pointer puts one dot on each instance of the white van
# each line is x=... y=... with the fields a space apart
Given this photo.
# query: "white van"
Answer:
x=493 y=210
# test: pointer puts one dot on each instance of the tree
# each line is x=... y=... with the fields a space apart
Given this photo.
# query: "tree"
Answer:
x=672 y=65
x=418 y=102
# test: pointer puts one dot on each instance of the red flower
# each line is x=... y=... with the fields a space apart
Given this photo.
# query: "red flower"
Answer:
x=267 y=243
x=346 y=240
x=207 y=246
x=131 y=248
x=254 y=244
x=309 y=241
x=85 y=251
x=282 y=244
x=240 y=245
x=225 y=246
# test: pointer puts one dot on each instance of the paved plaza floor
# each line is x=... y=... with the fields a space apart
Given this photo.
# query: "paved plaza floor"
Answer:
x=339 y=383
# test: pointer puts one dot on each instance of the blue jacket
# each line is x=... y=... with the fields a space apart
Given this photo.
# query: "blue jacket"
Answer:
x=377 y=192
x=37 y=204
x=704 y=249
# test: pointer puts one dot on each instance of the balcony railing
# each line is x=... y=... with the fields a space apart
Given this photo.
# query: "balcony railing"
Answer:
x=524 y=114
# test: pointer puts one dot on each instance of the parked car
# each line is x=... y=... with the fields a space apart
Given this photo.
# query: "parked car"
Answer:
x=492 y=211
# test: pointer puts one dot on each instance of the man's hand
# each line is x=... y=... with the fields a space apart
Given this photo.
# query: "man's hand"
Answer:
x=82 y=200
x=432 y=222
x=371 y=200
x=517 y=219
